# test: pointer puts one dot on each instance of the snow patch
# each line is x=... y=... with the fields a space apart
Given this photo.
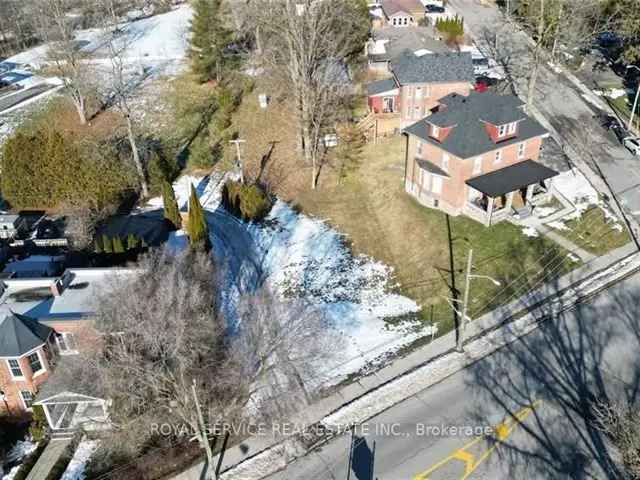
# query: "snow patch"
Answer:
x=77 y=465
x=558 y=225
x=530 y=232
x=542 y=212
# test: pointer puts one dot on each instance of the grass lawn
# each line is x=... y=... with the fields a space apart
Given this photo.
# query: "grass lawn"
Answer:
x=380 y=220
x=594 y=233
x=622 y=105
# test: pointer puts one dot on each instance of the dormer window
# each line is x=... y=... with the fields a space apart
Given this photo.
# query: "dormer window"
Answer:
x=435 y=131
x=512 y=128
x=502 y=130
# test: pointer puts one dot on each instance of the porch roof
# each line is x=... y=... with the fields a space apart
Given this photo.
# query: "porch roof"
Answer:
x=511 y=178
x=431 y=167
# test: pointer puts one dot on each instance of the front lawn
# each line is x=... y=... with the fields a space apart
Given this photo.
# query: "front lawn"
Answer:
x=380 y=220
x=595 y=233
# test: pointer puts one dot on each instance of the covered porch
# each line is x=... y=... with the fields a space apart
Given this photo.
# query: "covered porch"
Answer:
x=68 y=411
x=509 y=191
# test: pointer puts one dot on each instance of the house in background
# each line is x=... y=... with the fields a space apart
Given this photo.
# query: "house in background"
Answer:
x=42 y=322
x=477 y=155
x=400 y=13
x=418 y=82
x=11 y=226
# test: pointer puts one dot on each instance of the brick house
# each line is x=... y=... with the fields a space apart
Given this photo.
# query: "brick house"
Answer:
x=477 y=155
x=44 y=321
x=417 y=84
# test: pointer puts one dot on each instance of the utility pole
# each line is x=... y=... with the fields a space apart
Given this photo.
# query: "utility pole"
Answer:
x=635 y=102
x=203 y=434
x=238 y=141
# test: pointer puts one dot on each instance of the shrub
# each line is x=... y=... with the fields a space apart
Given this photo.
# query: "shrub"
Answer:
x=171 y=209
x=42 y=168
x=38 y=427
x=249 y=202
x=452 y=28
x=197 y=224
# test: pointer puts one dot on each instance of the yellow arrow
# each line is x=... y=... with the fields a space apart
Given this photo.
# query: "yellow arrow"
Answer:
x=502 y=431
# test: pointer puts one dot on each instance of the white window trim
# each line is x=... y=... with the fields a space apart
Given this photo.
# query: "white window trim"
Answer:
x=43 y=367
x=419 y=147
x=440 y=181
x=24 y=403
x=522 y=150
x=502 y=130
x=69 y=351
x=13 y=377
x=512 y=128
x=445 y=162
x=435 y=131
x=477 y=165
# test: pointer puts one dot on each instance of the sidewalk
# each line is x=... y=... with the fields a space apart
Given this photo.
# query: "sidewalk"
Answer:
x=437 y=349
x=48 y=459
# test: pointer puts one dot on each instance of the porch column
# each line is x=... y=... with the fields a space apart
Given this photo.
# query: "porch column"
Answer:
x=529 y=193
x=45 y=409
x=489 y=211
x=509 y=202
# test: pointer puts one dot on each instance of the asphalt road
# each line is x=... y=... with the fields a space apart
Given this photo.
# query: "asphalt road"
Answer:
x=560 y=369
x=559 y=100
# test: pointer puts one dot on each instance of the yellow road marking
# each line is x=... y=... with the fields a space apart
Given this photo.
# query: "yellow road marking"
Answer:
x=503 y=431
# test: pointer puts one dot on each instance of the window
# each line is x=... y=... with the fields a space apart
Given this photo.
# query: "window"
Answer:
x=406 y=20
x=521 y=150
x=436 y=187
x=394 y=21
x=419 y=147
x=425 y=180
x=417 y=112
x=498 y=157
x=502 y=129
x=27 y=398
x=477 y=165
x=14 y=366
x=512 y=128
x=445 y=162
x=418 y=93
x=35 y=363
x=66 y=343
x=435 y=131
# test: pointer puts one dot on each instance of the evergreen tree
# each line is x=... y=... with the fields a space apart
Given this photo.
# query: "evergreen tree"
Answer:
x=171 y=210
x=197 y=226
x=118 y=247
x=209 y=40
x=132 y=242
x=107 y=246
x=98 y=245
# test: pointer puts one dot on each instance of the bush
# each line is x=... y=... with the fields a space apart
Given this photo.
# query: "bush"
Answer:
x=452 y=28
x=38 y=427
x=248 y=202
x=43 y=168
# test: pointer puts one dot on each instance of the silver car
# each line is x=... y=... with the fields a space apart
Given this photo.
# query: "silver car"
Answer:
x=632 y=144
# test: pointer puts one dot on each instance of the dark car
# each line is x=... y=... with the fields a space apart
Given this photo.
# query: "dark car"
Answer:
x=434 y=8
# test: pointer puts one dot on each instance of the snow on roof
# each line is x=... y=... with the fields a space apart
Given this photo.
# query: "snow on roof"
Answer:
x=34 y=297
x=421 y=52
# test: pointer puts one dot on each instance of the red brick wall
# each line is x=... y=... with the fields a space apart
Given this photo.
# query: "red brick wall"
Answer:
x=454 y=189
x=376 y=104
x=431 y=93
x=12 y=387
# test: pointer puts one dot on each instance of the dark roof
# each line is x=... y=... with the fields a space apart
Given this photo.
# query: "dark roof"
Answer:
x=381 y=86
x=20 y=334
x=511 y=178
x=149 y=226
x=408 y=38
x=433 y=68
x=431 y=167
x=469 y=138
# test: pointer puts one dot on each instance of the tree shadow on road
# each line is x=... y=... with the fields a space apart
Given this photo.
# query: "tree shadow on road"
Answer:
x=573 y=360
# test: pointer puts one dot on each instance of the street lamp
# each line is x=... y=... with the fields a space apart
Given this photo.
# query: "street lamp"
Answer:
x=635 y=102
x=465 y=301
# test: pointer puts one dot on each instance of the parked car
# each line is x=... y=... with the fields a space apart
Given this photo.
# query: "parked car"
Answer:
x=430 y=8
x=632 y=144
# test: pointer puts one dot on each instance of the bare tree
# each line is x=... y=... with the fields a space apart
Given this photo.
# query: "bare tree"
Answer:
x=64 y=53
x=621 y=423
x=167 y=340
x=309 y=42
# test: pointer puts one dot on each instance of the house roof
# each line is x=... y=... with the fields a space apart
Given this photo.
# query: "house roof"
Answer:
x=431 y=167
x=469 y=137
x=20 y=334
x=511 y=178
x=381 y=86
x=398 y=40
x=433 y=68
x=391 y=7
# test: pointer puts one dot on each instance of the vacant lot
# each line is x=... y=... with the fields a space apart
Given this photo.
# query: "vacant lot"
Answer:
x=380 y=220
x=595 y=233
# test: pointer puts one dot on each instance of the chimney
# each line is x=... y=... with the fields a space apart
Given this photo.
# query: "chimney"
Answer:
x=60 y=284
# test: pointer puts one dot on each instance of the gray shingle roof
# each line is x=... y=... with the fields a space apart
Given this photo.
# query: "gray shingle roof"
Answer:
x=469 y=138
x=391 y=7
x=433 y=68
x=19 y=334
x=511 y=178
x=381 y=86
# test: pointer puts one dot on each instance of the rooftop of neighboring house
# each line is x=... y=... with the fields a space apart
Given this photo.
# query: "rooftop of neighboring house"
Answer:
x=71 y=296
x=389 y=43
x=391 y=7
x=20 y=334
x=433 y=68
x=381 y=86
x=468 y=115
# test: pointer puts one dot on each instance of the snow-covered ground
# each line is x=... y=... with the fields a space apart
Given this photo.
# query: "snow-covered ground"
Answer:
x=302 y=257
x=76 y=467
x=21 y=449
